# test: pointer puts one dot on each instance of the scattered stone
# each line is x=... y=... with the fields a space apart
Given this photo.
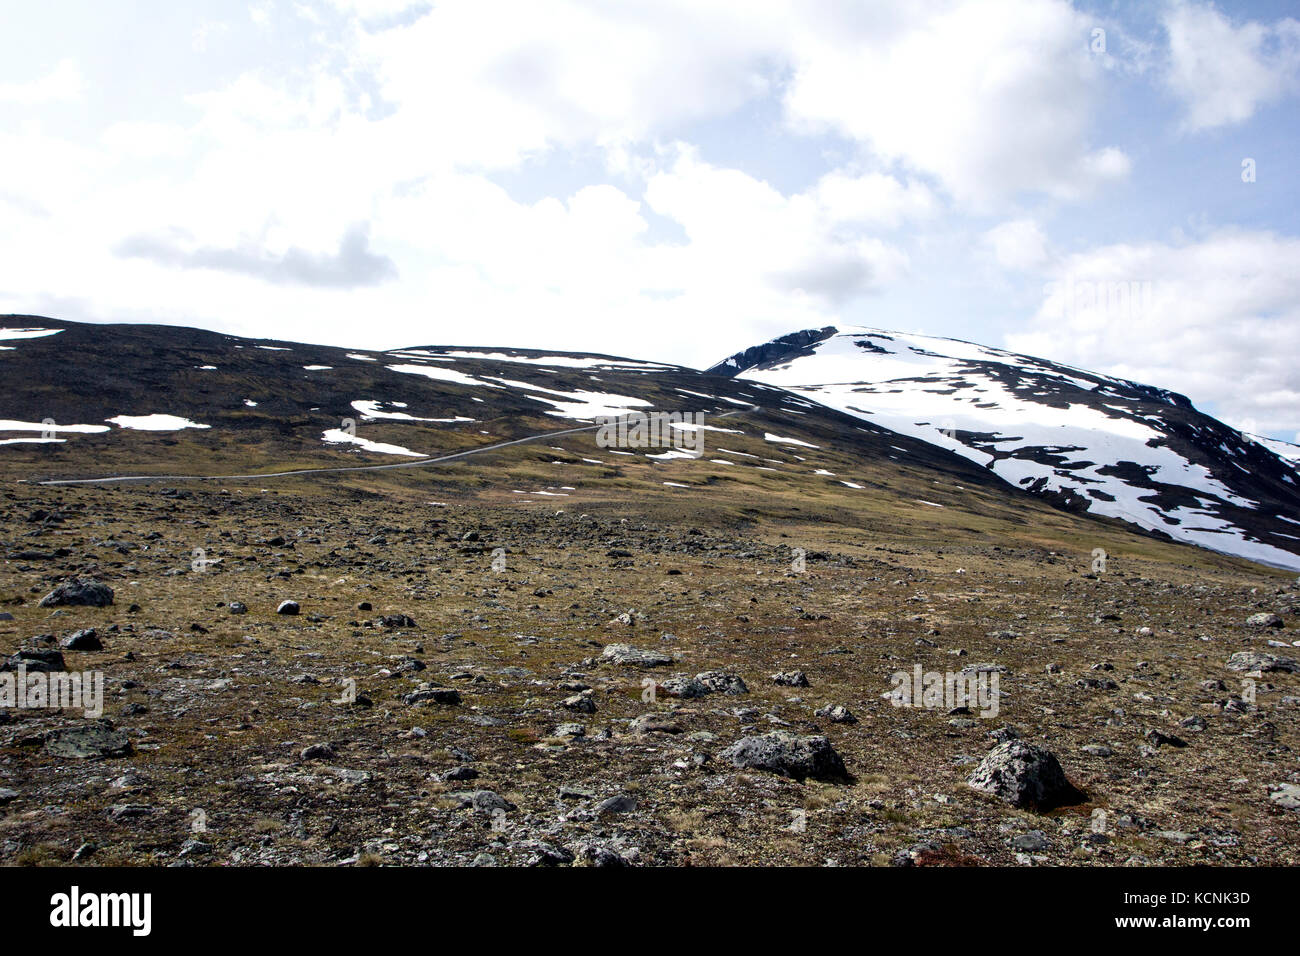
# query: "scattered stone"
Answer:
x=319 y=752
x=87 y=742
x=1035 y=841
x=85 y=640
x=837 y=714
x=1257 y=661
x=437 y=695
x=459 y=773
x=722 y=683
x=237 y=607
x=1264 y=619
x=634 y=656
x=1286 y=796
x=47 y=662
x=484 y=801
x=655 y=724
x=1004 y=733
x=83 y=592
x=623 y=803
x=791 y=679
x=288 y=607
x=684 y=687
x=1025 y=775
x=582 y=703
x=1158 y=739
x=790 y=756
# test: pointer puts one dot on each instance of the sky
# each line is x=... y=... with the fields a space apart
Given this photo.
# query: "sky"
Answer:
x=1109 y=185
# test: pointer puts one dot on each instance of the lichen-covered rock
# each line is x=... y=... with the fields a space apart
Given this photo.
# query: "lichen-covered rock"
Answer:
x=788 y=755
x=45 y=661
x=83 y=592
x=1263 y=619
x=1248 y=661
x=722 y=683
x=1024 y=775
x=87 y=742
x=635 y=656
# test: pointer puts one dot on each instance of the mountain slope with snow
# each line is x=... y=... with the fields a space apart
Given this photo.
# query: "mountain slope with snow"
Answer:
x=1089 y=442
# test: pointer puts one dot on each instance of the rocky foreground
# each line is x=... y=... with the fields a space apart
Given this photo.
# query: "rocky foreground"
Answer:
x=334 y=676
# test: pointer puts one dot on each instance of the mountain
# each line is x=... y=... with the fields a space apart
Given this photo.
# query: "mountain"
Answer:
x=411 y=607
x=823 y=412
x=87 y=401
x=1088 y=442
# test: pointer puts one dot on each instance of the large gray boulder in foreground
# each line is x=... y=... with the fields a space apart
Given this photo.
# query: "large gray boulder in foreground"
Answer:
x=85 y=592
x=1023 y=775
x=788 y=755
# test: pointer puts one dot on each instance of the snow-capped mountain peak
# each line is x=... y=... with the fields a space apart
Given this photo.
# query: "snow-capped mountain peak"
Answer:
x=1090 y=442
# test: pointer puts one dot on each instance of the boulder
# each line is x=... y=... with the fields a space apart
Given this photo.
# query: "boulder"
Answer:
x=634 y=656
x=1263 y=663
x=1024 y=775
x=788 y=755
x=1263 y=619
x=84 y=592
x=88 y=742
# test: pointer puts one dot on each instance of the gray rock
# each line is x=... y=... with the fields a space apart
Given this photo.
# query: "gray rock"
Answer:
x=722 y=683
x=484 y=801
x=459 y=773
x=83 y=592
x=89 y=741
x=791 y=679
x=595 y=854
x=1263 y=619
x=623 y=803
x=84 y=640
x=1257 y=661
x=655 y=724
x=288 y=607
x=47 y=662
x=790 y=756
x=7 y=796
x=837 y=714
x=634 y=656
x=1032 y=842
x=581 y=703
x=437 y=695
x=1024 y=775
x=1286 y=796
x=318 y=752
x=684 y=687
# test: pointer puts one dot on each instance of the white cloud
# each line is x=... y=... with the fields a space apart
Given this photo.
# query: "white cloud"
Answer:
x=1222 y=72
x=1217 y=319
x=1018 y=244
x=63 y=83
x=991 y=100
x=497 y=82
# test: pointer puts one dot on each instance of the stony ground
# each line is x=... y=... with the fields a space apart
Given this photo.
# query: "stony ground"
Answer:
x=445 y=694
